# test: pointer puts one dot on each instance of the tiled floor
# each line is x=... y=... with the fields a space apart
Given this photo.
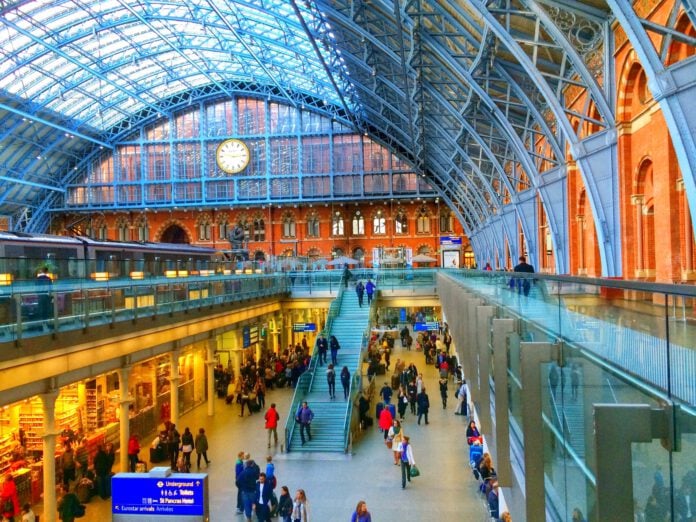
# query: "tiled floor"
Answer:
x=334 y=483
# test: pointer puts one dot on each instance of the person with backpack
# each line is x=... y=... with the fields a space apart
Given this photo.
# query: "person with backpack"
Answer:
x=360 y=290
x=201 y=445
x=334 y=346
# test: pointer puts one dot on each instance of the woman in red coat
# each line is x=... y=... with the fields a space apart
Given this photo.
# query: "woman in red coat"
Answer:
x=9 y=498
x=385 y=421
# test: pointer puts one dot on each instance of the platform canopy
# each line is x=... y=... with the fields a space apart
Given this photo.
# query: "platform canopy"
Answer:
x=475 y=95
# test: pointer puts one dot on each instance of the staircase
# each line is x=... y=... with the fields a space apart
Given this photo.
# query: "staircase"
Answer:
x=331 y=415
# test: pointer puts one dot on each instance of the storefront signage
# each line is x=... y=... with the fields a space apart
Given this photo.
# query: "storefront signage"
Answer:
x=250 y=335
x=429 y=326
x=450 y=240
x=304 y=327
x=140 y=496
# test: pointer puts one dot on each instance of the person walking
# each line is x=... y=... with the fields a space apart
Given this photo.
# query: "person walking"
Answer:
x=443 y=391
x=300 y=507
x=461 y=408
x=173 y=441
x=412 y=392
x=334 y=346
x=323 y=348
x=402 y=402
x=304 y=418
x=347 y=275
x=201 y=445
x=102 y=469
x=9 y=498
x=238 y=468
x=345 y=381
x=524 y=284
x=247 y=485
x=370 y=291
x=285 y=505
x=69 y=465
x=262 y=499
x=187 y=448
x=360 y=290
x=423 y=405
x=406 y=455
x=395 y=435
x=272 y=417
x=331 y=380
x=361 y=514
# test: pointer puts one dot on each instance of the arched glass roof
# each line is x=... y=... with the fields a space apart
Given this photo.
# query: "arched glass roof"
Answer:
x=486 y=100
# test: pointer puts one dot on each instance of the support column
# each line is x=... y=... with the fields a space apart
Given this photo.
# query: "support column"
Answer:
x=210 y=365
x=174 y=386
x=502 y=328
x=532 y=355
x=48 y=400
x=471 y=353
x=582 y=269
x=124 y=419
x=637 y=201
x=483 y=334
x=616 y=427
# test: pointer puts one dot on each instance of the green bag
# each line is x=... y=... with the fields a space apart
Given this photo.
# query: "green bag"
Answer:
x=414 y=471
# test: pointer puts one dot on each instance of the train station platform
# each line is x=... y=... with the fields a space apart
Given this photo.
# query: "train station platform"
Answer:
x=334 y=483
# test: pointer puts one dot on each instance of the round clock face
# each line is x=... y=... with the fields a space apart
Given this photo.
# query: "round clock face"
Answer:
x=232 y=156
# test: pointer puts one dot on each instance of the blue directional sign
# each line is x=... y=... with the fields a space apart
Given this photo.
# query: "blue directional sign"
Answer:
x=304 y=327
x=140 y=494
x=429 y=326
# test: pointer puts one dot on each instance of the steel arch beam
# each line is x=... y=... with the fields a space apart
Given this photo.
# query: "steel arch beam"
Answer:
x=592 y=154
x=674 y=89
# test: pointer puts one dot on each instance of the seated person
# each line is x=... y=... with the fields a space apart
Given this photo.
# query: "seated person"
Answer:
x=473 y=434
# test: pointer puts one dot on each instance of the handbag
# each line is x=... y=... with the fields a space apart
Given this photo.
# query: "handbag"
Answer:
x=415 y=472
x=187 y=448
x=389 y=443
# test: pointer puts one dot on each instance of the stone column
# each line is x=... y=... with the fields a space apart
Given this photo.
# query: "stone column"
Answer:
x=617 y=426
x=48 y=400
x=471 y=356
x=124 y=418
x=174 y=386
x=502 y=329
x=637 y=201
x=210 y=365
x=483 y=335
x=532 y=355
x=582 y=269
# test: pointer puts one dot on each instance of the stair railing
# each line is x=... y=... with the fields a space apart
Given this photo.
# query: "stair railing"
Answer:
x=305 y=381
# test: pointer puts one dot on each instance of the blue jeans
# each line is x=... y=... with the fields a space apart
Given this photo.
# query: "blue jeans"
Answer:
x=248 y=498
x=405 y=473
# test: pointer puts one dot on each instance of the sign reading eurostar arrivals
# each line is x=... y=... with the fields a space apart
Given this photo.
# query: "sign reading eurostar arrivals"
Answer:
x=142 y=496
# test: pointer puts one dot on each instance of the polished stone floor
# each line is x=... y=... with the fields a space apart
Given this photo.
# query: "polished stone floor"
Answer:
x=334 y=483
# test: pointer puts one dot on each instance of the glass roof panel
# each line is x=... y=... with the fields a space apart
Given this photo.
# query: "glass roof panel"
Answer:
x=113 y=52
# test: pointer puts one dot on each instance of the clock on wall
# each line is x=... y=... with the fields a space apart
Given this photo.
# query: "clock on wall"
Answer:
x=232 y=156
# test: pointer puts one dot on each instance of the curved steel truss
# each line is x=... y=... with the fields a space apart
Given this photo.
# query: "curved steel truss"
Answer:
x=488 y=101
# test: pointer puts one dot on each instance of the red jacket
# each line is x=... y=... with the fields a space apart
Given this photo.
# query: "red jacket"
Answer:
x=133 y=446
x=272 y=418
x=9 y=491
